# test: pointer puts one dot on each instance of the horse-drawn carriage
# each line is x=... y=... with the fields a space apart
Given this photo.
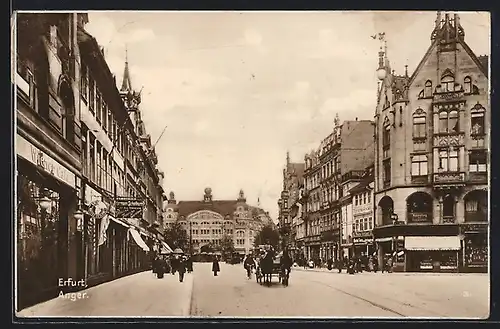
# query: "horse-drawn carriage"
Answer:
x=270 y=266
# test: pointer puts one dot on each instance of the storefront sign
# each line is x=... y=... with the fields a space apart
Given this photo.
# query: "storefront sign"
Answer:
x=40 y=159
x=473 y=228
x=91 y=195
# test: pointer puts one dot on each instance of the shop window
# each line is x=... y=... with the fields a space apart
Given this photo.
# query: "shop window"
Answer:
x=419 y=207
x=419 y=165
x=476 y=206
x=41 y=236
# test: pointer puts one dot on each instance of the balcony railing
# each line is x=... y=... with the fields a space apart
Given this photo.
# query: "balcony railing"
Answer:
x=448 y=219
x=476 y=216
x=444 y=97
x=449 y=177
x=353 y=174
x=419 y=179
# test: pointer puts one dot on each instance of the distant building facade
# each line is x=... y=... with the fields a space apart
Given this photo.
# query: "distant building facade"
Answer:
x=206 y=221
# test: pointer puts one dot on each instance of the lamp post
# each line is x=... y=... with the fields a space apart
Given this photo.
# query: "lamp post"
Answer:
x=394 y=218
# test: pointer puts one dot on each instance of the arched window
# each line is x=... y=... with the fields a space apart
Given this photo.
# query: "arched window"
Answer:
x=477 y=120
x=448 y=208
x=428 y=89
x=448 y=83
x=419 y=124
x=448 y=121
x=476 y=206
x=386 y=135
x=419 y=207
x=453 y=121
x=386 y=205
x=468 y=85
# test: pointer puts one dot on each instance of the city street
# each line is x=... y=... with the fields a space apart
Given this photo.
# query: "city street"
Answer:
x=330 y=294
x=314 y=293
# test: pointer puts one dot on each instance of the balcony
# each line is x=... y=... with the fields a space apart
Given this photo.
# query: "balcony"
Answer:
x=476 y=216
x=449 y=177
x=448 y=220
x=478 y=177
x=353 y=174
x=419 y=179
x=448 y=97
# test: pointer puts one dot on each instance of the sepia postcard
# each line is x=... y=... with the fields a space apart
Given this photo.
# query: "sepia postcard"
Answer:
x=320 y=164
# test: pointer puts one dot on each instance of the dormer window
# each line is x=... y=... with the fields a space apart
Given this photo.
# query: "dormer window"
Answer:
x=468 y=85
x=448 y=83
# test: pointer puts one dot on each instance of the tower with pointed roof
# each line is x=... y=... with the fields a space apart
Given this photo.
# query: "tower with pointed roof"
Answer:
x=431 y=148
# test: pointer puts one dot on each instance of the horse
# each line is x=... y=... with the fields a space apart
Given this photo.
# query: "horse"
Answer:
x=266 y=265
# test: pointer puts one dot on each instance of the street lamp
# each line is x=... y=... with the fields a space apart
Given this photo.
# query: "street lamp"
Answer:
x=45 y=203
x=79 y=220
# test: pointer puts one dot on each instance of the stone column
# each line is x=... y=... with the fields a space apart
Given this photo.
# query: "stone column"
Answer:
x=380 y=255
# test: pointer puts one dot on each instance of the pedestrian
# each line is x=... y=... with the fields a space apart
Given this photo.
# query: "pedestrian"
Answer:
x=161 y=266
x=181 y=268
x=249 y=264
x=215 y=266
x=189 y=264
x=154 y=264
x=330 y=264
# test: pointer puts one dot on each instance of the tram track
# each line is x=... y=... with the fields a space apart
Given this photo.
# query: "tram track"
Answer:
x=378 y=305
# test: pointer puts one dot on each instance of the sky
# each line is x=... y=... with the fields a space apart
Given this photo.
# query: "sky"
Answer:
x=237 y=90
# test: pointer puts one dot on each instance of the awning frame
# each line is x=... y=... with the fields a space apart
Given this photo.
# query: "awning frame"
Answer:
x=433 y=243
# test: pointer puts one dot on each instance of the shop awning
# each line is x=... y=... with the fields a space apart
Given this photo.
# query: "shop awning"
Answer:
x=137 y=238
x=383 y=239
x=119 y=221
x=166 y=246
x=432 y=243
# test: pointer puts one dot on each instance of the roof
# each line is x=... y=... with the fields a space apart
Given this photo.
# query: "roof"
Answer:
x=223 y=207
x=362 y=186
x=298 y=170
x=484 y=60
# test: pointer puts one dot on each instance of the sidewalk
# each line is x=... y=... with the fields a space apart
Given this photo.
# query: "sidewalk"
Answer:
x=336 y=271
x=140 y=294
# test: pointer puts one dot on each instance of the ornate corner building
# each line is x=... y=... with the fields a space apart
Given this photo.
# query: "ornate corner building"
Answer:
x=207 y=221
x=86 y=170
x=431 y=157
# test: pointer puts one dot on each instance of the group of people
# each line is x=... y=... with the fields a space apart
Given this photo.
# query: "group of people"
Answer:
x=355 y=264
x=264 y=262
x=171 y=264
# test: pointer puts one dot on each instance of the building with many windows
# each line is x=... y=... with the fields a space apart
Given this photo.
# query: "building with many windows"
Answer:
x=431 y=158
x=85 y=182
x=331 y=171
x=289 y=207
x=207 y=221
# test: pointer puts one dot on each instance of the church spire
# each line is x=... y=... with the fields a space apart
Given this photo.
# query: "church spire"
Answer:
x=127 y=83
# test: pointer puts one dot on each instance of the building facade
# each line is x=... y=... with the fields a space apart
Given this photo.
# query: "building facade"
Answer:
x=289 y=206
x=331 y=171
x=73 y=135
x=207 y=221
x=431 y=161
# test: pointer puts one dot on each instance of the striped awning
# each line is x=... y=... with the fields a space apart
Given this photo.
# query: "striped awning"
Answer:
x=432 y=243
